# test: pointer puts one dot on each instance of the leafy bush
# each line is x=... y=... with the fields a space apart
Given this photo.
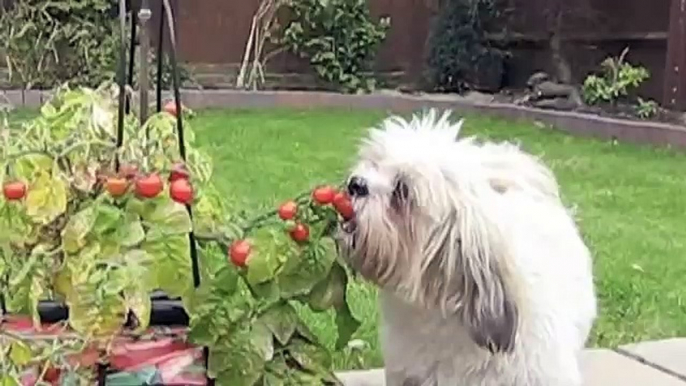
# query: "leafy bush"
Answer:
x=646 y=109
x=616 y=79
x=339 y=38
x=75 y=230
x=46 y=43
x=457 y=48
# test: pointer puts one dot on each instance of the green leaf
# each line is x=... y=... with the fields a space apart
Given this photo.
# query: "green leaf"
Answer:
x=329 y=292
x=131 y=233
x=240 y=360
x=272 y=249
x=140 y=283
x=46 y=198
x=94 y=311
x=311 y=357
x=8 y=380
x=345 y=321
x=79 y=226
x=302 y=272
x=171 y=263
x=107 y=219
x=26 y=167
x=20 y=353
x=167 y=218
x=282 y=321
x=347 y=326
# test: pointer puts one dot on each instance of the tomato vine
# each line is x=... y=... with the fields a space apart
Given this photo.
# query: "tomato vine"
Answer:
x=76 y=230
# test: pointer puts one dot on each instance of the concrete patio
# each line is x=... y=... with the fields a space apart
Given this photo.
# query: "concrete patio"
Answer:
x=657 y=363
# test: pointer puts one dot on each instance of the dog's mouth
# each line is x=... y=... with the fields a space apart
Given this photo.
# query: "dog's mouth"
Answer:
x=349 y=226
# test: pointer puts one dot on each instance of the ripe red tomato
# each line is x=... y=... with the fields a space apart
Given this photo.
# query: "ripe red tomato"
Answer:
x=300 y=233
x=343 y=205
x=149 y=186
x=15 y=190
x=116 y=186
x=52 y=375
x=128 y=171
x=288 y=210
x=323 y=195
x=181 y=191
x=239 y=252
x=178 y=172
x=170 y=107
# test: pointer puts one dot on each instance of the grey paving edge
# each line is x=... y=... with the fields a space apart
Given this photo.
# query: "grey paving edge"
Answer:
x=645 y=361
x=654 y=133
x=601 y=367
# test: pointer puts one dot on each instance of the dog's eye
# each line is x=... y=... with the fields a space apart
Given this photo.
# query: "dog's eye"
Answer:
x=400 y=194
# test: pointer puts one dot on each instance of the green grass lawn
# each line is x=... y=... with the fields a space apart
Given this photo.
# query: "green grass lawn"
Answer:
x=631 y=204
x=630 y=200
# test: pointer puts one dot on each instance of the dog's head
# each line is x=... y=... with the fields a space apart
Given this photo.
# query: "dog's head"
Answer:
x=427 y=226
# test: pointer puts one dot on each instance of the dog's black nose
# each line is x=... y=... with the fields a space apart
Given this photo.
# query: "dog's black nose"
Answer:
x=357 y=186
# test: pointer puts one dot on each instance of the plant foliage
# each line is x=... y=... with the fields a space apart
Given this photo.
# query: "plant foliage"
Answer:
x=457 y=47
x=46 y=43
x=616 y=79
x=72 y=240
x=338 y=37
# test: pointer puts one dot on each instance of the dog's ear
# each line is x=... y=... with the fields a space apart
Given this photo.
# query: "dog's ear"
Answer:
x=469 y=254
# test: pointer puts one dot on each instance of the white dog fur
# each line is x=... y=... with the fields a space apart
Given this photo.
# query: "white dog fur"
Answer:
x=484 y=278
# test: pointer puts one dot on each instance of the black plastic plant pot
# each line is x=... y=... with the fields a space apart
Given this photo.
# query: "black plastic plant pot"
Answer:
x=164 y=311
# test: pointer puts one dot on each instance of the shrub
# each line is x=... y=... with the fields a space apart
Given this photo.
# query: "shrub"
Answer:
x=646 y=109
x=46 y=43
x=616 y=79
x=338 y=37
x=457 y=48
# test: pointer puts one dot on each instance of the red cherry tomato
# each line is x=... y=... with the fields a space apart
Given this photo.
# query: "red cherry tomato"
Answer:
x=170 y=108
x=149 y=186
x=288 y=210
x=323 y=195
x=15 y=190
x=239 y=252
x=181 y=191
x=343 y=205
x=116 y=186
x=178 y=172
x=300 y=233
x=52 y=375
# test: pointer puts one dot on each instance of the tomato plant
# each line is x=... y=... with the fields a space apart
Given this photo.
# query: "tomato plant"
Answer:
x=72 y=235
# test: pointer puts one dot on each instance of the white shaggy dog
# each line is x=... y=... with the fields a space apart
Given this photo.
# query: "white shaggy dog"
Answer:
x=484 y=278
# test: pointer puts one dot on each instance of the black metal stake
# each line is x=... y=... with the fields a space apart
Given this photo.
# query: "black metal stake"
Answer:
x=160 y=55
x=182 y=145
x=132 y=57
x=179 y=125
x=121 y=78
x=143 y=83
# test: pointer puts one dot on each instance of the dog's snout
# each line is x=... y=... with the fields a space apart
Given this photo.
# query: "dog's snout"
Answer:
x=357 y=187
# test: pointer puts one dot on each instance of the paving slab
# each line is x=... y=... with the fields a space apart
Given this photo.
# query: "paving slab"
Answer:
x=668 y=355
x=600 y=367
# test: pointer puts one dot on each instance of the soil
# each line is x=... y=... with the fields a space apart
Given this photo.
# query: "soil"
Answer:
x=623 y=109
